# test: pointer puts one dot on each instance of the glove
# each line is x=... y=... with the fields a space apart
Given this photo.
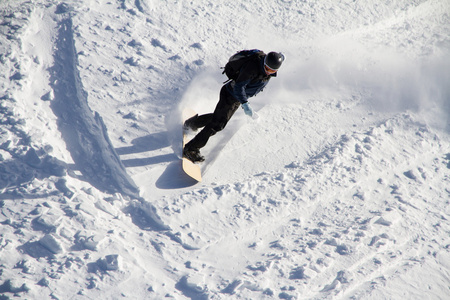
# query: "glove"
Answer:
x=247 y=109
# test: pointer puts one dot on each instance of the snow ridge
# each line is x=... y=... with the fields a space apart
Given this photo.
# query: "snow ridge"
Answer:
x=84 y=133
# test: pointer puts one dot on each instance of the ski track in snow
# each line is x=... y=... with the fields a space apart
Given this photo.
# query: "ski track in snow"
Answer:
x=340 y=190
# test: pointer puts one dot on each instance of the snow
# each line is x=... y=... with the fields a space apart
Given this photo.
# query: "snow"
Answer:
x=339 y=190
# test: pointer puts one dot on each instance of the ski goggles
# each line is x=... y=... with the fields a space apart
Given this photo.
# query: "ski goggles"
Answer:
x=269 y=70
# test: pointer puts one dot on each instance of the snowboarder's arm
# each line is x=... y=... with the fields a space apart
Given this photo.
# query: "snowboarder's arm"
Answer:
x=245 y=77
x=239 y=91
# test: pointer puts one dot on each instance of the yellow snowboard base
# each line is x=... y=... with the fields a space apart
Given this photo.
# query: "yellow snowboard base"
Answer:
x=191 y=169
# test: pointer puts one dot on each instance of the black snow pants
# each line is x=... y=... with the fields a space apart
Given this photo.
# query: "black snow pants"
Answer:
x=215 y=121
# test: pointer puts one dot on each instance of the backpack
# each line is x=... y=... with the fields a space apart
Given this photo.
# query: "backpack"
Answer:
x=238 y=60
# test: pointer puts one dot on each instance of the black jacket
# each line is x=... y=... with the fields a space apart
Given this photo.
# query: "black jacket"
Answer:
x=251 y=80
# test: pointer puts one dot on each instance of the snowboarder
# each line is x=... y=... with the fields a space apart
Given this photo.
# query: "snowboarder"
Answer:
x=251 y=79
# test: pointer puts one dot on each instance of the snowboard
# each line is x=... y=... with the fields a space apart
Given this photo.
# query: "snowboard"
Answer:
x=191 y=169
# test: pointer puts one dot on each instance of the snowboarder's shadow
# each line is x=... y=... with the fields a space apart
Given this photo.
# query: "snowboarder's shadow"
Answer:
x=139 y=162
x=147 y=143
x=174 y=177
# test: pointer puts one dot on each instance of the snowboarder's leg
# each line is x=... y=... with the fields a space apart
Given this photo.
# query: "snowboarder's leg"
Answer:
x=192 y=149
x=223 y=112
x=196 y=122
x=200 y=140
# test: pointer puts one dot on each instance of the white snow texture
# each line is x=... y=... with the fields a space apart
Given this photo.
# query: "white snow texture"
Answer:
x=339 y=190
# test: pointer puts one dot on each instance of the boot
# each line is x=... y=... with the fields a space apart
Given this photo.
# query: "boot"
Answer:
x=190 y=124
x=193 y=155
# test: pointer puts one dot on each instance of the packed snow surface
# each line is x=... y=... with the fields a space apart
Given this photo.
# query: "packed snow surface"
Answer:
x=339 y=190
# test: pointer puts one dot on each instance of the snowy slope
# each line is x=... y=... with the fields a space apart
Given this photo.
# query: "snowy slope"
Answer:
x=340 y=190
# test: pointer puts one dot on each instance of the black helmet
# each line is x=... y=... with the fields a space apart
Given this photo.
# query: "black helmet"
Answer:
x=274 y=60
